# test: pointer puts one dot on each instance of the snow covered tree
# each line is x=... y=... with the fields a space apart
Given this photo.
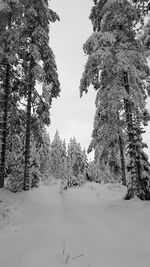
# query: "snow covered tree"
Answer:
x=38 y=66
x=44 y=152
x=9 y=34
x=74 y=166
x=94 y=173
x=68 y=164
x=15 y=149
x=145 y=38
x=117 y=69
x=40 y=153
x=58 y=156
x=108 y=141
x=140 y=186
x=143 y=8
x=77 y=161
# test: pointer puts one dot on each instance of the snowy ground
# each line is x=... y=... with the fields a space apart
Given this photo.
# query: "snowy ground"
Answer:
x=87 y=227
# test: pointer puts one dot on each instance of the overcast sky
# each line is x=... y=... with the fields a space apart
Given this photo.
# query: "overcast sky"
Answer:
x=70 y=114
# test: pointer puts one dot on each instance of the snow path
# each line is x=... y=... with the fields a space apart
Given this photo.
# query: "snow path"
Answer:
x=87 y=227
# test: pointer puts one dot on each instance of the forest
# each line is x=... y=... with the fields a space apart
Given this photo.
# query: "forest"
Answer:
x=57 y=207
x=117 y=68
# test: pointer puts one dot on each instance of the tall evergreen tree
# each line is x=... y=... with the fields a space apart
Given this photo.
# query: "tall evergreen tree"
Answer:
x=117 y=67
x=38 y=65
x=9 y=29
x=26 y=59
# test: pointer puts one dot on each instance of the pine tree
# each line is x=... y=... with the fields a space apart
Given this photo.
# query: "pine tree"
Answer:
x=108 y=142
x=74 y=166
x=40 y=152
x=15 y=149
x=38 y=65
x=15 y=162
x=58 y=156
x=77 y=159
x=26 y=59
x=44 y=152
x=117 y=67
x=9 y=29
x=138 y=186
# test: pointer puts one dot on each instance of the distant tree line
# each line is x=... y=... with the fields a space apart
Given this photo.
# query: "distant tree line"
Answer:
x=70 y=164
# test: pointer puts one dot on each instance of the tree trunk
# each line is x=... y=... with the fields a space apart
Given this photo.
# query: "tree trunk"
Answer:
x=123 y=170
x=6 y=88
x=133 y=168
x=4 y=125
x=28 y=130
x=129 y=118
x=122 y=160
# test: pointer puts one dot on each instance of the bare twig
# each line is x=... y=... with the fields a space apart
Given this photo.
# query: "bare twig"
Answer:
x=81 y=255
x=64 y=246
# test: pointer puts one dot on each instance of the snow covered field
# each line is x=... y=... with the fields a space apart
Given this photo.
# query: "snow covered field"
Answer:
x=91 y=226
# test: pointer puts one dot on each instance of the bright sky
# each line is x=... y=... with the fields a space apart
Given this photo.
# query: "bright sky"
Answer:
x=71 y=115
